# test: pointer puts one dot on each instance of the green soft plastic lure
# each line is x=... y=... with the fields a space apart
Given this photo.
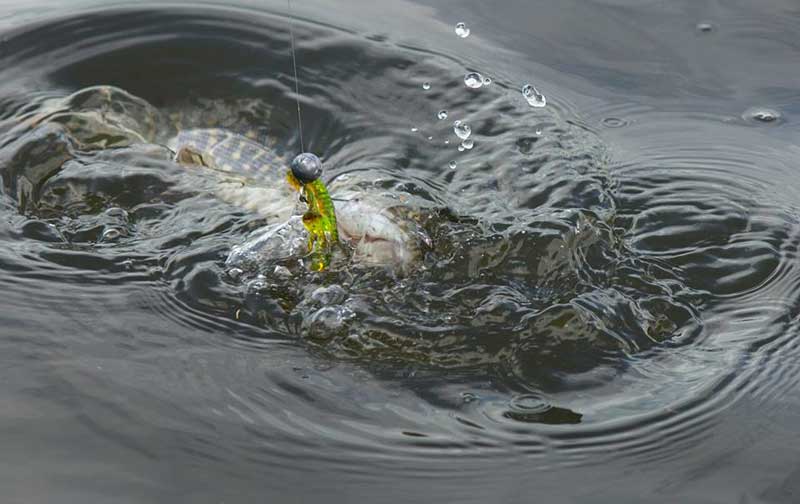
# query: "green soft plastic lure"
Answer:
x=320 y=218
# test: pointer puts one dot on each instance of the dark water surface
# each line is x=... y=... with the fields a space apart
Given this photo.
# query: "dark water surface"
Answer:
x=608 y=312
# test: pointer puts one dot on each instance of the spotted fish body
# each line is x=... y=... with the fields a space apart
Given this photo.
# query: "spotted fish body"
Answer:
x=253 y=177
x=247 y=175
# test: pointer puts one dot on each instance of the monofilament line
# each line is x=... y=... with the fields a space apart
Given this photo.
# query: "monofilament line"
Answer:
x=296 y=81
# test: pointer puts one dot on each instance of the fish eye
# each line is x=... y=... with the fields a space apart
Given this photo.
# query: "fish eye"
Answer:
x=306 y=167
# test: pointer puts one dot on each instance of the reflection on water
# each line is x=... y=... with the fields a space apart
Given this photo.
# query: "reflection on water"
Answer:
x=594 y=284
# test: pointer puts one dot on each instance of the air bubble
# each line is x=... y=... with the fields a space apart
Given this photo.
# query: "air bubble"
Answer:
x=111 y=234
x=473 y=80
x=235 y=274
x=442 y=115
x=534 y=97
x=469 y=397
x=462 y=30
x=462 y=130
x=281 y=271
x=117 y=213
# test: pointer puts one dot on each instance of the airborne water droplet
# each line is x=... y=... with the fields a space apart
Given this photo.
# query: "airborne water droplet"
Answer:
x=468 y=144
x=442 y=114
x=487 y=81
x=704 y=27
x=452 y=165
x=426 y=85
x=462 y=130
x=414 y=129
x=473 y=80
x=534 y=97
x=461 y=148
x=462 y=30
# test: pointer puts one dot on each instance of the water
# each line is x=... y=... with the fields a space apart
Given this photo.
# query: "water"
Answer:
x=462 y=30
x=608 y=311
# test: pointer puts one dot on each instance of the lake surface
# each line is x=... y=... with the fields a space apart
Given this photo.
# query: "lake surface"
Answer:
x=606 y=308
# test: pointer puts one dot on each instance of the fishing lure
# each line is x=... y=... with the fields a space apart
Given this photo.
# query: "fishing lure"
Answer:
x=320 y=218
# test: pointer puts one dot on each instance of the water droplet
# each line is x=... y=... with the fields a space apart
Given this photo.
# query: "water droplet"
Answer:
x=473 y=80
x=534 y=97
x=487 y=81
x=538 y=132
x=461 y=148
x=462 y=30
x=452 y=165
x=426 y=85
x=762 y=115
x=462 y=130
x=442 y=114
x=414 y=129
x=430 y=138
x=704 y=27
x=468 y=144
x=447 y=142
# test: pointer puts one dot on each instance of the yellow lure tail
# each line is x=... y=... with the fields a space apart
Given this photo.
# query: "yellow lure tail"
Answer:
x=319 y=220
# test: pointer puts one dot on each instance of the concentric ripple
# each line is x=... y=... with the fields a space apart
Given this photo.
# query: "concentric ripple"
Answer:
x=577 y=300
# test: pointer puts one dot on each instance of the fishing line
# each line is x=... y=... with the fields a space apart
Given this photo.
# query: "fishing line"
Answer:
x=296 y=81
